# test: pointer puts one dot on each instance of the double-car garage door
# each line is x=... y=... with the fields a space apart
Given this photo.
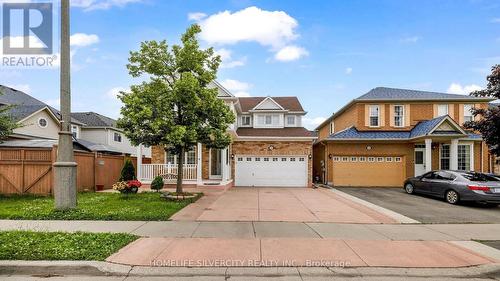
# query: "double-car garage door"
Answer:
x=368 y=171
x=286 y=171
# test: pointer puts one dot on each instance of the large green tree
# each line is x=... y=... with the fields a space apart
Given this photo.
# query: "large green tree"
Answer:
x=174 y=108
x=7 y=124
x=489 y=123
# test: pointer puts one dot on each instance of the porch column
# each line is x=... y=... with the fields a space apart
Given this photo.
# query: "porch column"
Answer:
x=199 y=170
x=223 y=163
x=139 y=161
x=454 y=154
x=428 y=155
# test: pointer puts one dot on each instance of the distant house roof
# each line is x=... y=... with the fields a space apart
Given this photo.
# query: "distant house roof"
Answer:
x=282 y=132
x=288 y=103
x=93 y=119
x=423 y=128
x=98 y=147
x=24 y=105
x=384 y=93
x=37 y=143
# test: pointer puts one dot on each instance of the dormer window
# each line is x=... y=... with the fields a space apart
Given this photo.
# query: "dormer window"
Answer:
x=374 y=115
x=268 y=120
x=245 y=120
x=290 y=120
x=117 y=137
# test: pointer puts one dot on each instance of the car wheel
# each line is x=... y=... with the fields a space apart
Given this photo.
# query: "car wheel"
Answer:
x=409 y=188
x=452 y=197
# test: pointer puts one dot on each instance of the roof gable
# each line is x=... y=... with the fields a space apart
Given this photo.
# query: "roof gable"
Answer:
x=221 y=91
x=268 y=104
x=287 y=103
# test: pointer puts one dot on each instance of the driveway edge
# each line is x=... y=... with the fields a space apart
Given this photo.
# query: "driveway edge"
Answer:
x=96 y=268
x=396 y=216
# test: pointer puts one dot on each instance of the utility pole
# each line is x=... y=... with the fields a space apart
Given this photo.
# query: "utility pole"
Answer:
x=65 y=165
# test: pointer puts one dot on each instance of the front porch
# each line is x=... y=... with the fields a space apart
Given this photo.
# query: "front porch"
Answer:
x=203 y=166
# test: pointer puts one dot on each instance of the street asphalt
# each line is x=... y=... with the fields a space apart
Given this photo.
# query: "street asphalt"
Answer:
x=426 y=209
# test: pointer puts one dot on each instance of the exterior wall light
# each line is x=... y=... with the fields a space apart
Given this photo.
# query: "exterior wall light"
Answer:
x=368 y=147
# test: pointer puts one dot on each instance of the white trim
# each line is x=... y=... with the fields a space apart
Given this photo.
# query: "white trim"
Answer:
x=267 y=98
x=449 y=156
x=210 y=176
x=38 y=111
x=403 y=117
x=453 y=123
x=370 y=115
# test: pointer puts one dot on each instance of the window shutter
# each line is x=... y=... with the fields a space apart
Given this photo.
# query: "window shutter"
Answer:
x=391 y=115
x=434 y=110
x=407 y=115
x=382 y=115
x=367 y=115
x=451 y=110
x=460 y=114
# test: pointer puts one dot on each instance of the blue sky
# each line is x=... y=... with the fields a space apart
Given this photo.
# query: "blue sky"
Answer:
x=324 y=52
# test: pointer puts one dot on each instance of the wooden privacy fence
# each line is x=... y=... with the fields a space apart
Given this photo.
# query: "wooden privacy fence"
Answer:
x=29 y=170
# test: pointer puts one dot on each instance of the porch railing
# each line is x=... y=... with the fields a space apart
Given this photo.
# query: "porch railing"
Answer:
x=149 y=171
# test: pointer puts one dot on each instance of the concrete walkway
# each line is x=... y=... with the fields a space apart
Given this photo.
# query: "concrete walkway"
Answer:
x=186 y=229
x=273 y=252
x=281 y=204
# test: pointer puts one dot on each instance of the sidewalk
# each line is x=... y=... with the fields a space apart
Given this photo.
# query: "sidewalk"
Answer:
x=187 y=229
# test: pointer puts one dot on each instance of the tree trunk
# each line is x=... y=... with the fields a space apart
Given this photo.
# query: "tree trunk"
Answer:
x=180 y=171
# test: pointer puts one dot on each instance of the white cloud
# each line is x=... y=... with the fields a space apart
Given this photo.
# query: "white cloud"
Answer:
x=115 y=92
x=411 y=39
x=90 y=5
x=82 y=39
x=348 y=70
x=456 y=88
x=196 y=16
x=291 y=53
x=238 y=88
x=273 y=29
x=227 y=60
x=312 y=123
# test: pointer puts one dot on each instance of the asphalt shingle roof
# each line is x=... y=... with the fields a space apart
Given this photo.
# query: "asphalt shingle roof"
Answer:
x=288 y=103
x=424 y=127
x=384 y=93
x=93 y=119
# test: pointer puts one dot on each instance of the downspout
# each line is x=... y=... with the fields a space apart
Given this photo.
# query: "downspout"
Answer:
x=325 y=161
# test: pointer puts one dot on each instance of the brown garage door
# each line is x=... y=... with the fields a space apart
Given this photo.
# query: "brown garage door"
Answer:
x=368 y=171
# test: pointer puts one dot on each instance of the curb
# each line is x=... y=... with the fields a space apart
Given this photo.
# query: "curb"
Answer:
x=97 y=268
x=396 y=216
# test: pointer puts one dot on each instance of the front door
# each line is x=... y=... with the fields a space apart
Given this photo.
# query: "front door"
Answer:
x=215 y=163
x=419 y=161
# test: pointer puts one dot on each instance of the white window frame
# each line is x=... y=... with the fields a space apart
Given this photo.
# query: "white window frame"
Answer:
x=471 y=156
x=468 y=113
x=248 y=118
x=440 y=108
x=186 y=157
x=372 y=115
x=332 y=127
x=441 y=158
x=74 y=131
x=402 y=116
x=40 y=125
x=293 y=117
x=115 y=134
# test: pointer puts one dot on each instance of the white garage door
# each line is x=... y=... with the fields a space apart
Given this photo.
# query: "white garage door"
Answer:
x=271 y=171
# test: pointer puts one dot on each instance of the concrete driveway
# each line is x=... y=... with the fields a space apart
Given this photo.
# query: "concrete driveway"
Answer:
x=280 y=204
x=425 y=209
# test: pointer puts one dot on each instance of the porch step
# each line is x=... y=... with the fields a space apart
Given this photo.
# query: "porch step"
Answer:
x=211 y=183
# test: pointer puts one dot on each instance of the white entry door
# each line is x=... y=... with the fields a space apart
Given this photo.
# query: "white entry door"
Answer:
x=285 y=171
x=419 y=161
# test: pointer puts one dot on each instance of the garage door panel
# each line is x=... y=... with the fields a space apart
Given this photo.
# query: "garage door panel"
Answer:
x=377 y=173
x=271 y=171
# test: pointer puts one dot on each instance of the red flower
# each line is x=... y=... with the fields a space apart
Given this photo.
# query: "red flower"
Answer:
x=134 y=183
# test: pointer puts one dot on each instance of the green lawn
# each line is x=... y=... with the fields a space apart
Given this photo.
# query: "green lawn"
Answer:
x=92 y=206
x=29 y=245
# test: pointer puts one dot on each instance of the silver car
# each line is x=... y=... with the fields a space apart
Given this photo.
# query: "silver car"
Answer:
x=456 y=186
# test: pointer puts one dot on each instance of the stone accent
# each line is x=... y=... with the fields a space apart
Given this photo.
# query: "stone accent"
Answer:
x=157 y=154
x=280 y=148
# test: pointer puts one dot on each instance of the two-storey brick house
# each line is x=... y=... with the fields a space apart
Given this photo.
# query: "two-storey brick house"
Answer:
x=387 y=135
x=270 y=147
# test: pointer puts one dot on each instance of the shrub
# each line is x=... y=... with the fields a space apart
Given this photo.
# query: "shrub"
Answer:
x=157 y=183
x=128 y=171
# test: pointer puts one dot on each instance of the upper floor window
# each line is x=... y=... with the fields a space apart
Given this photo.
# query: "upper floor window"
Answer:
x=268 y=120
x=117 y=137
x=290 y=120
x=74 y=130
x=442 y=109
x=374 y=115
x=332 y=127
x=245 y=120
x=468 y=112
x=399 y=116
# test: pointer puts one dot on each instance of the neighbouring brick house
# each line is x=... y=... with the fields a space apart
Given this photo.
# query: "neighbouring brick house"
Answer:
x=270 y=147
x=387 y=135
